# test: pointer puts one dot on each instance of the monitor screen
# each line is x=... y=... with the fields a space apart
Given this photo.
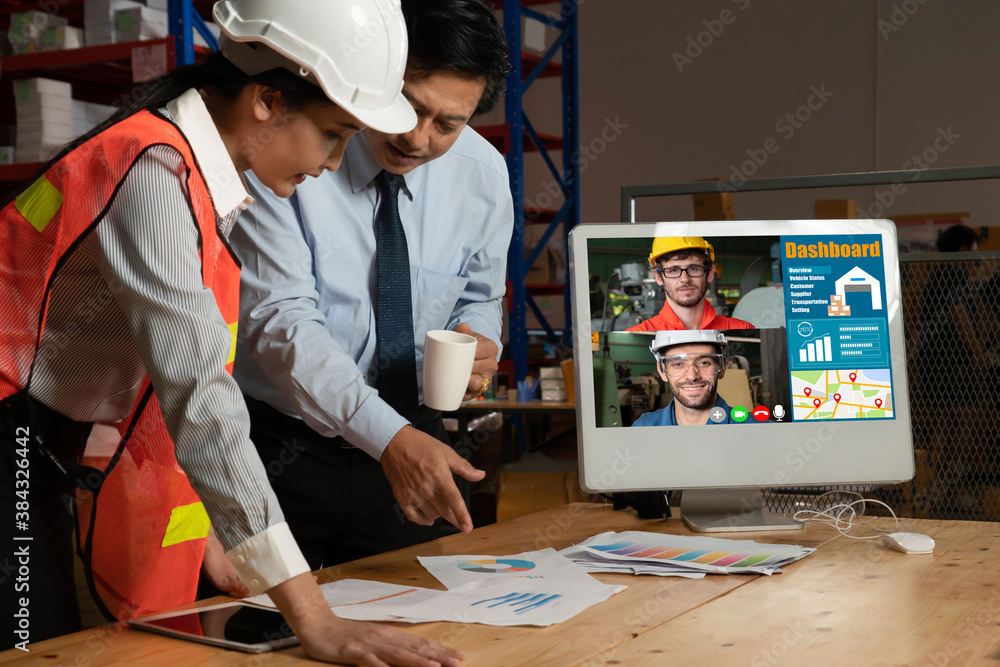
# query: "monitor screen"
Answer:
x=739 y=355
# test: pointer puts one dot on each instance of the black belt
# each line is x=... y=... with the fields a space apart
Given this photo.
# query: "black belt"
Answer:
x=299 y=427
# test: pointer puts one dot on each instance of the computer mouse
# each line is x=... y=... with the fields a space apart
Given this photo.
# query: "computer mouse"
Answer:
x=909 y=543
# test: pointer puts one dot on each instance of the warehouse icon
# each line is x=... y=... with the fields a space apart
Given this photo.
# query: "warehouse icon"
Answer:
x=857 y=280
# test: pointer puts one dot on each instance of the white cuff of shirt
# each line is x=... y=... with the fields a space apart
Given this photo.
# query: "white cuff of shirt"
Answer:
x=373 y=426
x=268 y=558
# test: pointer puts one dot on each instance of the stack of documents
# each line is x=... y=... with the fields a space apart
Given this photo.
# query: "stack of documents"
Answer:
x=533 y=588
x=676 y=555
x=44 y=117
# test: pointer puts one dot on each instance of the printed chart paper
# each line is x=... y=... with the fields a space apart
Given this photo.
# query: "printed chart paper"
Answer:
x=499 y=602
x=454 y=571
x=693 y=554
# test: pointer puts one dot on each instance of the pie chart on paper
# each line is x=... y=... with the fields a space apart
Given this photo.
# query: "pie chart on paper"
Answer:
x=497 y=565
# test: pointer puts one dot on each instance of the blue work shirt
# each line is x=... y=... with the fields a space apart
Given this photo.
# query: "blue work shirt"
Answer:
x=668 y=417
x=307 y=321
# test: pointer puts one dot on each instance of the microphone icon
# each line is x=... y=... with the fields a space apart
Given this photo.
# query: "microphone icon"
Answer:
x=778 y=412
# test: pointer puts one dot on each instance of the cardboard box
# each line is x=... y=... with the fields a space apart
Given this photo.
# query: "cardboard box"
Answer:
x=62 y=37
x=713 y=205
x=29 y=88
x=838 y=311
x=556 y=395
x=836 y=209
x=548 y=269
x=140 y=23
x=27 y=28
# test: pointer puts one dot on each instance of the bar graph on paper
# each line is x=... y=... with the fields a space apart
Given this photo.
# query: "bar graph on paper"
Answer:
x=518 y=602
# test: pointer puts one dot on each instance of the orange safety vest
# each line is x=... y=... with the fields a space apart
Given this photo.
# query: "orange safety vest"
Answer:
x=141 y=528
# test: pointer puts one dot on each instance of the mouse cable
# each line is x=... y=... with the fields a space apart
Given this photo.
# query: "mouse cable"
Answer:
x=845 y=516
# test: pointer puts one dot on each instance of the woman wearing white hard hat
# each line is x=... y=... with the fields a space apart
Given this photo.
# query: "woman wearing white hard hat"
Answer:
x=118 y=304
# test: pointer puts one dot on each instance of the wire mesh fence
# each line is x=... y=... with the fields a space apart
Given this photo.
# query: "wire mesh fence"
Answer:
x=950 y=316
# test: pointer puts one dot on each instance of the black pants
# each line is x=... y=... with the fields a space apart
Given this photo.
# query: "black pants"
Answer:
x=36 y=537
x=336 y=498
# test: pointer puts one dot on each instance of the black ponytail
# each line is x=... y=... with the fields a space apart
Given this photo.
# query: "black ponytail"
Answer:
x=226 y=80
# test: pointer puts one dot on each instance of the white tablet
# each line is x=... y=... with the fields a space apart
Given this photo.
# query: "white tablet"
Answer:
x=233 y=625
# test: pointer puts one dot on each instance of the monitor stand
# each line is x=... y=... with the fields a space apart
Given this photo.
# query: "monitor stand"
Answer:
x=730 y=511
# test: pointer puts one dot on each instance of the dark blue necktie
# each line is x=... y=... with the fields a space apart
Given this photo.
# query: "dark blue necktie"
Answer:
x=397 y=362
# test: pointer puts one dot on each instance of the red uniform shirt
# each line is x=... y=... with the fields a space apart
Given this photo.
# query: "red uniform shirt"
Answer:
x=667 y=320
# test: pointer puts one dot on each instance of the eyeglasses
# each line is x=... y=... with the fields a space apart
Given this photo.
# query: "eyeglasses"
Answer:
x=677 y=365
x=695 y=271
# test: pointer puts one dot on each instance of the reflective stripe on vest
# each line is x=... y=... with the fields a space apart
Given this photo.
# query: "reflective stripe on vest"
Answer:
x=149 y=527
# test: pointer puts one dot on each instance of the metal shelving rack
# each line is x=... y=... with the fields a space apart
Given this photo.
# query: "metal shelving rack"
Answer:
x=525 y=69
x=100 y=73
x=184 y=20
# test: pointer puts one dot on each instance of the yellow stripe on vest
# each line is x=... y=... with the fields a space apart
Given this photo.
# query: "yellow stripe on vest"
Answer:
x=39 y=203
x=232 y=343
x=187 y=522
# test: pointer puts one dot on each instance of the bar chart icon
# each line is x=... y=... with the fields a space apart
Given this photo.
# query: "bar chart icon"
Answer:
x=819 y=349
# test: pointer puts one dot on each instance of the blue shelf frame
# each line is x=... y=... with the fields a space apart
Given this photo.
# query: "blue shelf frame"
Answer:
x=568 y=178
x=184 y=20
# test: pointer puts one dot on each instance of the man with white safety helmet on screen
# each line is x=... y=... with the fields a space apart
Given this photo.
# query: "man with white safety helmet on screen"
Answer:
x=683 y=267
x=692 y=363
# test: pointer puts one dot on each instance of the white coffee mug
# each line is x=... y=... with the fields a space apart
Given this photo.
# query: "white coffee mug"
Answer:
x=448 y=360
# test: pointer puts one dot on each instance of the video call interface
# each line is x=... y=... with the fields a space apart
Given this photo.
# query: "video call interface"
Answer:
x=819 y=349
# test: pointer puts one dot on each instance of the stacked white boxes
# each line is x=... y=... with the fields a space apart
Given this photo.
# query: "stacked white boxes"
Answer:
x=56 y=38
x=44 y=118
x=26 y=30
x=87 y=116
x=553 y=384
x=99 y=17
x=141 y=23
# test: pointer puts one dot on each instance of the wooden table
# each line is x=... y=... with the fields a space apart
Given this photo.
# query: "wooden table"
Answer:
x=850 y=603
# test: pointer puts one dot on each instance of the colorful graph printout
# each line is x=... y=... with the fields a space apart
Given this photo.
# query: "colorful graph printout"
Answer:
x=493 y=565
x=700 y=553
x=454 y=571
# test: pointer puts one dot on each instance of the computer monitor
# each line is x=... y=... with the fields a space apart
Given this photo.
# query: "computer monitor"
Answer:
x=827 y=346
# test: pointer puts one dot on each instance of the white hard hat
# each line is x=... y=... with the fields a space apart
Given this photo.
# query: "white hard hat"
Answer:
x=355 y=50
x=664 y=339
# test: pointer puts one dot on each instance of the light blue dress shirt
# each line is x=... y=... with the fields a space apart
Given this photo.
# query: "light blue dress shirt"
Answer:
x=307 y=322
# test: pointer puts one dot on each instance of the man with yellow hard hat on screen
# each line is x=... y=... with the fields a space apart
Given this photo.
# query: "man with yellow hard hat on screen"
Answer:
x=683 y=267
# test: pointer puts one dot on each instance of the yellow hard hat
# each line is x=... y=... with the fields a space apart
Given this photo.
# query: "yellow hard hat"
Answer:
x=667 y=244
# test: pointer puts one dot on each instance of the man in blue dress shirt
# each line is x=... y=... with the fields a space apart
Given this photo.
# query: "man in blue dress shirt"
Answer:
x=691 y=362
x=355 y=477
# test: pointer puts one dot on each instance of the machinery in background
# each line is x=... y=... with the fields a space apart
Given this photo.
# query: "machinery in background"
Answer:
x=632 y=296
